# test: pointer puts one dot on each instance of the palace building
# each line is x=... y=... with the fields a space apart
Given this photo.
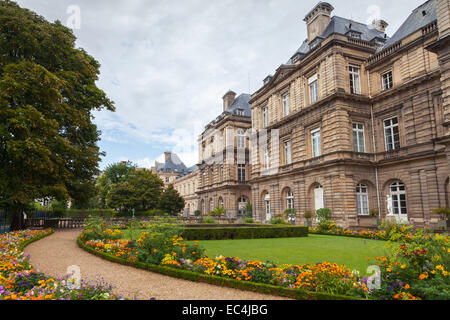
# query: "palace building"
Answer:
x=362 y=120
x=355 y=121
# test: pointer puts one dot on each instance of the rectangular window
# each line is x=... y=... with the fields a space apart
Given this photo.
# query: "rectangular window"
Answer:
x=241 y=173
x=387 y=81
x=287 y=152
x=265 y=118
x=313 y=89
x=316 y=147
x=362 y=198
x=355 y=82
x=359 y=144
x=391 y=133
x=286 y=107
x=266 y=160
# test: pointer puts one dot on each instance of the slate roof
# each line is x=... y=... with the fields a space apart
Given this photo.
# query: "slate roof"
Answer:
x=419 y=18
x=242 y=102
x=342 y=26
x=173 y=164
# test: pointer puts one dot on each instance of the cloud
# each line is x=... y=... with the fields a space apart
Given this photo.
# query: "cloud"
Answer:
x=166 y=64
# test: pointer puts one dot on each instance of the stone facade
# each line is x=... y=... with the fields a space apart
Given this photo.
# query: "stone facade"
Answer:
x=187 y=186
x=355 y=121
x=224 y=161
x=367 y=123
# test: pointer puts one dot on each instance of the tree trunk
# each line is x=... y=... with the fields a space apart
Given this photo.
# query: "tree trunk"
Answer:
x=18 y=222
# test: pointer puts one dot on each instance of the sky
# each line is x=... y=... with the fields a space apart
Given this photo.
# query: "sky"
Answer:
x=167 y=64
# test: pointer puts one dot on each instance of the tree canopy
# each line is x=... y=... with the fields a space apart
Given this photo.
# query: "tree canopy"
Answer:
x=48 y=91
x=170 y=201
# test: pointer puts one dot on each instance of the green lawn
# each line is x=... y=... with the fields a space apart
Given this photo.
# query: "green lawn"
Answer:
x=351 y=252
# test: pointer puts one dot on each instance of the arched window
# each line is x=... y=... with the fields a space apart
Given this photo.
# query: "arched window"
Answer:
x=362 y=199
x=289 y=199
x=221 y=203
x=242 y=205
x=211 y=205
x=267 y=206
x=398 y=194
x=240 y=138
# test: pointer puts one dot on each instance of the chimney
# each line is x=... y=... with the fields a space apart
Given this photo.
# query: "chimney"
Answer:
x=318 y=19
x=228 y=99
x=380 y=25
x=167 y=156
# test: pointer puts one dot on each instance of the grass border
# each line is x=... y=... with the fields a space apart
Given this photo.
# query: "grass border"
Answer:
x=297 y=294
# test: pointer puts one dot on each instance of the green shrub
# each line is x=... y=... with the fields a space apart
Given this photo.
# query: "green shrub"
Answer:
x=324 y=214
x=249 y=220
x=307 y=215
x=151 y=213
x=245 y=232
x=208 y=220
x=278 y=220
x=197 y=213
x=443 y=212
x=218 y=212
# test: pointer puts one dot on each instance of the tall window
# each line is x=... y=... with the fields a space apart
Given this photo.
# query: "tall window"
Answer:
x=267 y=205
x=286 y=107
x=265 y=117
x=240 y=138
x=266 y=160
x=358 y=138
x=241 y=173
x=386 y=80
x=287 y=152
x=391 y=133
x=289 y=199
x=313 y=89
x=362 y=199
x=316 y=147
x=398 y=194
x=355 y=82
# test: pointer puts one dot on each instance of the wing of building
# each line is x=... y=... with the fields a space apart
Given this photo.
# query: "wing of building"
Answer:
x=362 y=119
x=355 y=121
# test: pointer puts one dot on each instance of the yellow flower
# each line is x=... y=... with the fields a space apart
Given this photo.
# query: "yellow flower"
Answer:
x=403 y=266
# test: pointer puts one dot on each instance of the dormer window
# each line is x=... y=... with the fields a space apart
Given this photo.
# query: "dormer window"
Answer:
x=353 y=33
x=267 y=79
x=240 y=112
x=315 y=42
x=296 y=57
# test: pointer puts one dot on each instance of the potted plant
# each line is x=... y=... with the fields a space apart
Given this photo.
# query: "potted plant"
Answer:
x=197 y=213
x=290 y=215
x=375 y=215
x=444 y=222
x=308 y=215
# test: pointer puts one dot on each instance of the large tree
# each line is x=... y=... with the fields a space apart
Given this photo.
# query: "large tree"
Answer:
x=48 y=91
x=171 y=202
x=141 y=191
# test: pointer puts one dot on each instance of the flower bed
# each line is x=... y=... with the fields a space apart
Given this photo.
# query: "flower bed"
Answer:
x=170 y=254
x=416 y=269
x=19 y=281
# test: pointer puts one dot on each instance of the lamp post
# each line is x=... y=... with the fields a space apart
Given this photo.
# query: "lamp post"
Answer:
x=132 y=211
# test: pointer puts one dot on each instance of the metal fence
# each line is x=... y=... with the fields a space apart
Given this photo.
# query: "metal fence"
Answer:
x=4 y=225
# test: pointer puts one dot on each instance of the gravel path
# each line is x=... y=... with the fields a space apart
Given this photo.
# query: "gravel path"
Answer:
x=54 y=254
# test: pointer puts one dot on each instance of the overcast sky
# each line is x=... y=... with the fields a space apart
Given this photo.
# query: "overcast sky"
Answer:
x=167 y=64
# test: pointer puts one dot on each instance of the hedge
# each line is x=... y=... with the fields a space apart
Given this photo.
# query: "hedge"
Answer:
x=206 y=233
x=297 y=294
